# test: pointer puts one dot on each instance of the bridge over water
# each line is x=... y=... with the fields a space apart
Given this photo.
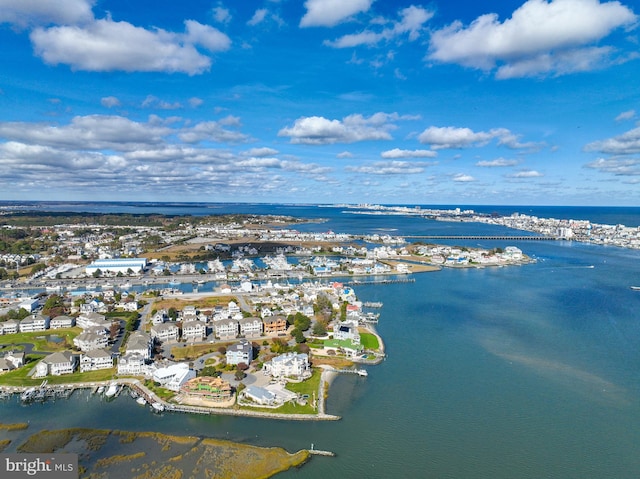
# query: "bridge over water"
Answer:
x=481 y=237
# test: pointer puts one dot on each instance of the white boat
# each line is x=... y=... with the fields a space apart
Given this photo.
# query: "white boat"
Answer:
x=362 y=372
x=142 y=401
x=111 y=390
x=635 y=288
x=157 y=407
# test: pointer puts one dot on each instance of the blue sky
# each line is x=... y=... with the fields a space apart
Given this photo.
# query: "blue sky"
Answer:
x=321 y=101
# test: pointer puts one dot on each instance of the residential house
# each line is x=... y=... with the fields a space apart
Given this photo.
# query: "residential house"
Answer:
x=88 y=320
x=275 y=324
x=226 y=328
x=9 y=327
x=139 y=343
x=12 y=360
x=207 y=388
x=132 y=365
x=288 y=365
x=165 y=332
x=160 y=317
x=127 y=306
x=95 y=359
x=250 y=327
x=348 y=330
x=35 y=322
x=174 y=376
x=259 y=395
x=194 y=330
x=60 y=322
x=91 y=340
x=56 y=364
x=189 y=313
x=241 y=352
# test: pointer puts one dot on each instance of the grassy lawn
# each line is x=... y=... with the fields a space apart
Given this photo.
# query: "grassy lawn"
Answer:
x=369 y=341
x=202 y=303
x=20 y=377
x=193 y=351
x=40 y=339
x=161 y=392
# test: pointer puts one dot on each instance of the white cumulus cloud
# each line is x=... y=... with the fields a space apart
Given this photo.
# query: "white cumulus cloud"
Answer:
x=541 y=37
x=625 y=144
x=25 y=13
x=317 y=130
x=498 y=162
x=398 y=153
x=327 y=13
x=394 y=167
x=106 y=45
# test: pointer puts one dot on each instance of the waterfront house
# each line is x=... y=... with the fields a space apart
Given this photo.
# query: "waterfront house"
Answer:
x=347 y=347
x=241 y=352
x=207 y=388
x=60 y=322
x=165 y=332
x=15 y=358
x=56 y=364
x=189 y=313
x=35 y=322
x=5 y=366
x=259 y=395
x=250 y=327
x=288 y=365
x=347 y=330
x=132 y=364
x=194 y=330
x=226 y=328
x=275 y=324
x=95 y=359
x=173 y=376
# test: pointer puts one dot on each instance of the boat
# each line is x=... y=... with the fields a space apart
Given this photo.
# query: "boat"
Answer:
x=142 y=401
x=635 y=288
x=362 y=372
x=111 y=390
x=28 y=395
x=157 y=407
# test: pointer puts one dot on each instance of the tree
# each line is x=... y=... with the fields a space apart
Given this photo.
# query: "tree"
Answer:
x=319 y=328
x=298 y=335
x=279 y=346
x=97 y=273
x=239 y=375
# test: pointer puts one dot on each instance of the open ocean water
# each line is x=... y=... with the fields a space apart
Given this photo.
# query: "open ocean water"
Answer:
x=518 y=372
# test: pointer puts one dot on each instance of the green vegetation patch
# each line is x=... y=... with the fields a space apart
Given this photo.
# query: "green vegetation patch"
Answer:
x=369 y=341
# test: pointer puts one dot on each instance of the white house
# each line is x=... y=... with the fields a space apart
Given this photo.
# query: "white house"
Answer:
x=347 y=330
x=89 y=320
x=174 y=376
x=139 y=343
x=132 y=365
x=288 y=365
x=194 y=330
x=160 y=317
x=36 y=322
x=9 y=327
x=226 y=328
x=241 y=352
x=60 y=322
x=95 y=359
x=165 y=332
x=91 y=340
x=56 y=364
x=250 y=327
x=29 y=304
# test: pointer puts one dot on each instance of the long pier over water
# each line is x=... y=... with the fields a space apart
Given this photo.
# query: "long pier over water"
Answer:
x=482 y=237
